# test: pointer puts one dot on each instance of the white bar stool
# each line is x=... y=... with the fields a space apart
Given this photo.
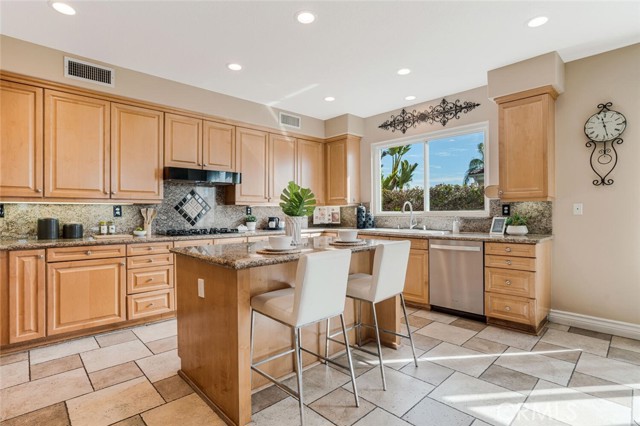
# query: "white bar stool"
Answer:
x=387 y=281
x=319 y=294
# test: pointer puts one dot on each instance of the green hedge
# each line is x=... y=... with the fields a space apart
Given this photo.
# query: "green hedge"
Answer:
x=442 y=197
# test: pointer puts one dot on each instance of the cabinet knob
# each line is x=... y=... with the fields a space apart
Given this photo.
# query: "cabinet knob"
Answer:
x=507 y=282
x=150 y=261
x=113 y=192
x=38 y=190
x=41 y=256
x=149 y=305
x=508 y=262
x=500 y=192
x=507 y=308
x=149 y=248
x=508 y=249
x=149 y=280
x=88 y=252
x=122 y=263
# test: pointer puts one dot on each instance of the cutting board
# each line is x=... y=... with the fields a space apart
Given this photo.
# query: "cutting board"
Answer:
x=112 y=236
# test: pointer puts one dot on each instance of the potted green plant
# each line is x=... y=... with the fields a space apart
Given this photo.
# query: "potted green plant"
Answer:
x=297 y=203
x=517 y=224
x=251 y=221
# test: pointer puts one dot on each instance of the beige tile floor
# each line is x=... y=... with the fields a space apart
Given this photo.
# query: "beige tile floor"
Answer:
x=468 y=374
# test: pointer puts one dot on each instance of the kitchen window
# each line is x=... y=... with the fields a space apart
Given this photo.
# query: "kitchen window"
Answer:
x=442 y=173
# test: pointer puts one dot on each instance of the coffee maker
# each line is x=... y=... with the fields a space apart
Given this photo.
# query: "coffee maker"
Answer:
x=273 y=223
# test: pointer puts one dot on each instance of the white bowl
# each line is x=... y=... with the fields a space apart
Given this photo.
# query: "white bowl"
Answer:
x=139 y=233
x=280 y=242
x=347 y=235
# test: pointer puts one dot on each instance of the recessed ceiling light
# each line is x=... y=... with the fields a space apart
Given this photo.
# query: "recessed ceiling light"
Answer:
x=404 y=71
x=63 y=8
x=537 y=21
x=305 y=17
x=410 y=98
x=329 y=99
x=234 y=67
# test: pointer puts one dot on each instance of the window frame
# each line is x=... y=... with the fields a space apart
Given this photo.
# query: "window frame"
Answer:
x=376 y=200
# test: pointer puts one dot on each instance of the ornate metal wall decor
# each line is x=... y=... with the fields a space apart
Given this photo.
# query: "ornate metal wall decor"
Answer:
x=441 y=113
x=604 y=128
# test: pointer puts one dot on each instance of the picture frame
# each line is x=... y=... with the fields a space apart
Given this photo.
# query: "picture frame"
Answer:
x=498 y=225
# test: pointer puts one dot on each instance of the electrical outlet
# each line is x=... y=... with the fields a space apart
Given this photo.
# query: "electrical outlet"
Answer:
x=577 y=209
x=506 y=210
x=248 y=210
x=1 y=210
x=117 y=211
x=201 y=287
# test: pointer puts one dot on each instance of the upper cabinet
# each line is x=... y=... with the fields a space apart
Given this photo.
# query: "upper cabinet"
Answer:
x=76 y=147
x=310 y=159
x=282 y=161
x=20 y=140
x=527 y=145
x=136 y=153
x=252 y=160
x=198 y=144
x=343 y=170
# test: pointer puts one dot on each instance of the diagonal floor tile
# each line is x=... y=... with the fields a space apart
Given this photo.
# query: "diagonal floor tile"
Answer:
x=339 y=407
x=161 y=366
x=422 y=342
x=265 y=398
x=576 y=341
x=114 y=403
x=111 y=339
x=625 y=343
x=485 y=346
x=461 y=359
x=557 y=352
x=393 y=358
x=55 y=366
x=531 y=418
x=53 y=415
x=63 y=349
x=624 y=355
x=590 y=333
x=131 y=421
x=488 y=402
x=553 y=370
x=99 y=359
x=174 y=387
x=163 y=345
x=428 y=372
x=395 y=399
x=14 y=374
x=318 y=381
x=434 y=413
x=15 y=357
x=557 y=326
x=601 y=388
x=287 y=413
x=575 y=408
x=447 y=333
x=381 y=417
x=173 y=413
x=436 y=316
x=510 y=379
x=469 y=324
x=113 y=375
x=509 y=338
x=157 y=331
x=609 y=369
x=41 y=393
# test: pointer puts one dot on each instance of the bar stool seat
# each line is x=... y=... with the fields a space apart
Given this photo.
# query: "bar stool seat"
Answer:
x=276 y=304
x=359 y=286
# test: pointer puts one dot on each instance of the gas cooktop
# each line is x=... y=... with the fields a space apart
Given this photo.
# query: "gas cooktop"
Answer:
x=201 y=231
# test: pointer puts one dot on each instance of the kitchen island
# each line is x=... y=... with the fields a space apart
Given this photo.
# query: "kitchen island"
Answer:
x=215 y=286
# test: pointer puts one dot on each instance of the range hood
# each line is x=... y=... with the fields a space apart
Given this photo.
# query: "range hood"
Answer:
x=201 y=177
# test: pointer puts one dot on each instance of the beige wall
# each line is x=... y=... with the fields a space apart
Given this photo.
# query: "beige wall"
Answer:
x=38 y=61
x=597 y=256
x=543 y=70
x=342 y=124
x=487 y=111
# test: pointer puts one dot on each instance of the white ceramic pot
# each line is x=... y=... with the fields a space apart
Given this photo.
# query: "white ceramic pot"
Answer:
x=293 y=227
x=517 y=230
x=251 y=226
x=280 y=242
x=347 y=235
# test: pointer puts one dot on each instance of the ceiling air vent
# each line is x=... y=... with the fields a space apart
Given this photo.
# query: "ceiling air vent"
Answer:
x=290 y=120
x=86 y=71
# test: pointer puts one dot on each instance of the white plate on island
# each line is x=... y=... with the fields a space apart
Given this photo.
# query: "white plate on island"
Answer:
x=269 y=250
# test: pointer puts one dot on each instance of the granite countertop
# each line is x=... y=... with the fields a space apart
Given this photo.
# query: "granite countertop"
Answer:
x=464 y=236
x=244 y=255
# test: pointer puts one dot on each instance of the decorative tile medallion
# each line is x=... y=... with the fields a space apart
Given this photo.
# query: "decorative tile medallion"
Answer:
x=192 y=207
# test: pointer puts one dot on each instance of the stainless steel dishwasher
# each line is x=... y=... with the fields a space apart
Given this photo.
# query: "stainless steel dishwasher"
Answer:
x=456 y=275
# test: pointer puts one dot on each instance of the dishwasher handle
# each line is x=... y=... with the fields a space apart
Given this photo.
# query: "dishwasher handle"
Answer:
x=454 y=248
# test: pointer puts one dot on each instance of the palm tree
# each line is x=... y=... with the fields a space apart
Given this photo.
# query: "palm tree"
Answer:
x=401 y=171
x=475 y=170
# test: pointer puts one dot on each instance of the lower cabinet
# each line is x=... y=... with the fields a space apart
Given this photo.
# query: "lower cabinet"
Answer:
x=416 y=284
x=26 y=295
x=150 y=303
x=150 y=280
x=85 y=294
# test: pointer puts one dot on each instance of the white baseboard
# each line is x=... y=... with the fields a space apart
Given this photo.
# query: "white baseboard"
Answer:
x=603 y=325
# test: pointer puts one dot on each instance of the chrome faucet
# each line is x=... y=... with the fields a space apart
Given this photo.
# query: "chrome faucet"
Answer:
x=404 y=206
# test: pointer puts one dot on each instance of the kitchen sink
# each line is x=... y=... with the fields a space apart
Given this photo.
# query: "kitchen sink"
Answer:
x=410 y=231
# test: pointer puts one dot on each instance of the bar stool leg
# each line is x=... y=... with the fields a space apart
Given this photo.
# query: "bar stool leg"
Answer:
x=359 y=326
x=406 y=319
x=375 y=322
x=353 y=376
x=298 y=362
x=326 y=345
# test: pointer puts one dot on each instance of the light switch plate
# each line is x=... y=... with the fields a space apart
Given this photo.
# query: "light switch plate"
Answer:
x=200 y=287
x=577 y=209
x=1 y=210
x=506 y=210
x=117 y=211
x=248 y=210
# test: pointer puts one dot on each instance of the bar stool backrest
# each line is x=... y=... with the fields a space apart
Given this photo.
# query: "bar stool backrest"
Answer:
x=321 y=285
x=389 y=269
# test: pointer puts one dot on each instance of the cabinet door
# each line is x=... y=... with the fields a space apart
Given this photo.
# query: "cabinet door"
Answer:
x=282 y=154
x=252 y=155
x=4 y=298
x=219 y=147
x=416 y=284
x=337 y=191
x=26 y=295
x=136 y=153
x=20 y=140
x=183 y=141
x=85 y=294
x=526 y=145
x=76 y=146
x=311 y=168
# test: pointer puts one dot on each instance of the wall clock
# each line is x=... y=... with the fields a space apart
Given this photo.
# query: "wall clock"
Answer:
x=603 y=130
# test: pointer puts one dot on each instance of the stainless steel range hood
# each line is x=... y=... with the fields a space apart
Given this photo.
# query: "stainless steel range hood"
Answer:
x=199 y=177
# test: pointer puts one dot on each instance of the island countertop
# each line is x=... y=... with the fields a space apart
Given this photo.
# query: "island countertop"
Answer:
x=245 y=255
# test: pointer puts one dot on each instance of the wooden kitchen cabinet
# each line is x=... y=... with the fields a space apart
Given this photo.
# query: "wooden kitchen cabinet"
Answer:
x=150 y=280
x=76 y=146
x=183 y=141
x=85 y=294
x=527 y=145
x=416 y=283
x=282 y=165
x=21 y=142
x=343 y=170
x=252 y=160
x=310 y=165
x=4 y=298
x=26 y=295
x=136 y=153
x=218 y=147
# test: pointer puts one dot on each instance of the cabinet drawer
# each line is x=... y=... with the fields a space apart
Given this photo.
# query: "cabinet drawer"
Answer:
x=219 y=241
x=192 y=243
x=517 y=283
x=150 y=303
x=510 y=308
x=509 y=262
x=508 y=249
x=62 y=254
x=416 y=243
x=258 y=238
x=147 y=279
x=150 y=260
x=148 y=248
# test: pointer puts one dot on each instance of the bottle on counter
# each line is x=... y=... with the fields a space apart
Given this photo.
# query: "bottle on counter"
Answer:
x=103 y=227
x=360 y=216
x=456 y=226
x=111 y=227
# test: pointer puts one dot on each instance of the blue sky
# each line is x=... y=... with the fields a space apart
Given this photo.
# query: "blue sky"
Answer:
x=449 y=159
